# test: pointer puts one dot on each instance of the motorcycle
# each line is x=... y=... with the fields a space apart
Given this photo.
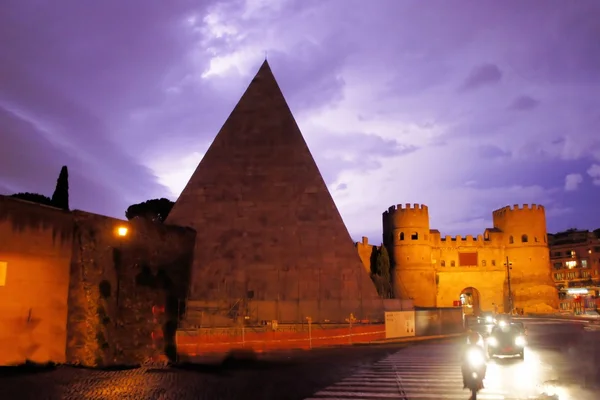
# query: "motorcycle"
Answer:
x=473 y=369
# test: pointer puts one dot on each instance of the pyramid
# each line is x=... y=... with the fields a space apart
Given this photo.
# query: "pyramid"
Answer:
x=267 y=226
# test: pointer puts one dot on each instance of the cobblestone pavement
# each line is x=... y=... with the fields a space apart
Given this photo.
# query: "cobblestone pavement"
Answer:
x=286 y=377
x=569 y=352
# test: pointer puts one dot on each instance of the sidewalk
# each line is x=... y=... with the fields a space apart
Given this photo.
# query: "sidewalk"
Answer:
x=558 y=317
x=248 y=354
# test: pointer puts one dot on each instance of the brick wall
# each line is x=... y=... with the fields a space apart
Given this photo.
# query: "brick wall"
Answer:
x=116 y=281
x=65 y=271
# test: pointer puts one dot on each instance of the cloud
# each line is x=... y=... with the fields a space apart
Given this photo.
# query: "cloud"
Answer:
x=594 y=173
x=490 y=151
x=131 y=100
x=524 y=103
x=482 y=75
x=572 y=182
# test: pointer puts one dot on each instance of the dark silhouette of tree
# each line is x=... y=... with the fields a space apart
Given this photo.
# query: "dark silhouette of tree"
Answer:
x=380 y=271
x=155 y=210
x=34 y=198
x=597 y=232
x=60 y=198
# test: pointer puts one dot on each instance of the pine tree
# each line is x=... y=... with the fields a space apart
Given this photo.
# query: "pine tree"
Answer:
x=60 y=198
x=383 y=270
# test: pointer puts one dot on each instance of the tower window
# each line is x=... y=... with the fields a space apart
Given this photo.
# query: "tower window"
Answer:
x=493 y=263
x=401 y=235
x=443 y=263
x=524 y=238
x=483 y=263
x=452 y=263
x=414 y=236
x=535 y=239
x=511 y=240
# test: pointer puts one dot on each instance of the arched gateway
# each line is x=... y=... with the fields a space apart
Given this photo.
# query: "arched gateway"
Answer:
x=469 y=300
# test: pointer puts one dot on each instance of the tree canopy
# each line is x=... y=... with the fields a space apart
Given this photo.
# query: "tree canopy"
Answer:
x=380 y=271
x=155 y=210
x=34 y=198
x=60 y=198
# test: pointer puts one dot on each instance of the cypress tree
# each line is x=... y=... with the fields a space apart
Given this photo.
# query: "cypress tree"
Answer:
x=60 y=198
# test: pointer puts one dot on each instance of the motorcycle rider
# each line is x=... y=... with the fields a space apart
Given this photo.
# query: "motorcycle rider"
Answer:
x=474 y=343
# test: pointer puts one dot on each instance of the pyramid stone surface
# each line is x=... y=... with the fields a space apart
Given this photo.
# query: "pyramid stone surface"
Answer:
x=265 y=220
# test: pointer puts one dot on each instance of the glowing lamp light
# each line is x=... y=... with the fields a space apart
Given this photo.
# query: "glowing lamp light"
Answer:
x=577 y=291
x=122 y=231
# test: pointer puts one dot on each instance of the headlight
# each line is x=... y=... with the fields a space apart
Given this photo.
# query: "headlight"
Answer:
x=502 y=323
x=489 y=319
x=520 y=341
x=492 y=341
x=475 y=358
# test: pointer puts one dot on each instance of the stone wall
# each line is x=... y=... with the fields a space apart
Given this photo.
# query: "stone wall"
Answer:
x=115 y=283
x=35 y=251
x=77 y=292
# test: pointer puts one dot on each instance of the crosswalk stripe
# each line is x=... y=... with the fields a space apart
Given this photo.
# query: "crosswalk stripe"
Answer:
x=424 y=373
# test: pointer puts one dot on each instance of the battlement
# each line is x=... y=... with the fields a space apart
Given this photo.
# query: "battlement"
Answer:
x=399 y=208
x=460 y=238
x=519 y=208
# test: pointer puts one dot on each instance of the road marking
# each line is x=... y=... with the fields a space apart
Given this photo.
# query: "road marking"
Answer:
x=423 y=372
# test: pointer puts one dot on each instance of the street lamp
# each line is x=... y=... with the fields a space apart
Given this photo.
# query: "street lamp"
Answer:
x=508 y=265
x=120 y=232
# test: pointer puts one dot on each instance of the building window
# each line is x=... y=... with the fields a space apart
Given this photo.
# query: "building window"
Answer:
x=558 y=265
x=3 y=268
x=584 y=264
x=511 y=240
x=401 y=235
x=597 y=249
x=571 y=264
x=483 y=263
x=452 y=263
x=557 y=254
x=443 y=263
x=573 y=253
x=414 y=236
x=524 y=239
x=493 y=263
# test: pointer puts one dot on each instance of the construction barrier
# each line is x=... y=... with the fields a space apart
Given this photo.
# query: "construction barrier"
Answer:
x=200 y=342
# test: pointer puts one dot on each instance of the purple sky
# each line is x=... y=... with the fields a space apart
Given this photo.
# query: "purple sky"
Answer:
x=465 y=106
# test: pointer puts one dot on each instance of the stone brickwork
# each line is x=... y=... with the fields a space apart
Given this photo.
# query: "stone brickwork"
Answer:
x=35 y=250
x=65 y=272
x=267 y=226
x=434 y=270
x=116 y=281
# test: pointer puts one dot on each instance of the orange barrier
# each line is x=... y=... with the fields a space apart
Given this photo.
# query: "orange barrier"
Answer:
x=197 y=344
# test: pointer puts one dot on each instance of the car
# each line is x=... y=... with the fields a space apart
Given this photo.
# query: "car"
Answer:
x=506 y=340
x=487 y=317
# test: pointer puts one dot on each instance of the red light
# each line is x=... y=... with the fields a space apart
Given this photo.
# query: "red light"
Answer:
x=158 y=310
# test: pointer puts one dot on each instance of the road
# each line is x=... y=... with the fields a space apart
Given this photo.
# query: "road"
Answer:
x=558 y=351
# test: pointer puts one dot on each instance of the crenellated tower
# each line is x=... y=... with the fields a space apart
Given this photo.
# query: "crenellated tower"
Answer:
x=526 y=247
x=406 y=236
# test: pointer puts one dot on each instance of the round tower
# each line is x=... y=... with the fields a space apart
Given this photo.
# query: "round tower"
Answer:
x=407 y=238
x=526 y=250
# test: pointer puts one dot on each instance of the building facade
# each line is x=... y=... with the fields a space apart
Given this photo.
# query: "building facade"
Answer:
x=575 y=259
x=437 y=271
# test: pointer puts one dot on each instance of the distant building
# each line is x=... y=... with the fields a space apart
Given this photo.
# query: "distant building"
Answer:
x=575 y=258
x=436 y=271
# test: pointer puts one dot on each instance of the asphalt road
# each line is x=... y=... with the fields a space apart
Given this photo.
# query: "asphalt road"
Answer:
x=559 y=352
